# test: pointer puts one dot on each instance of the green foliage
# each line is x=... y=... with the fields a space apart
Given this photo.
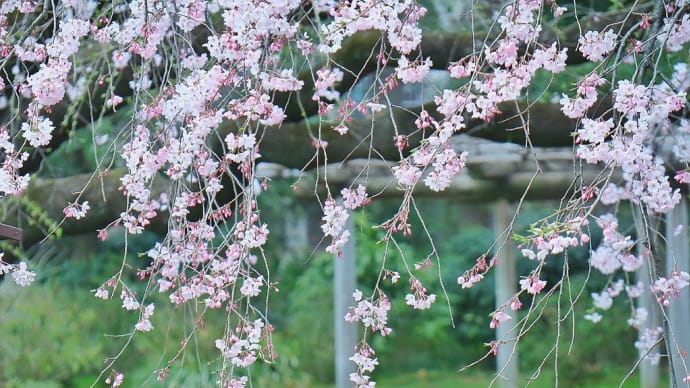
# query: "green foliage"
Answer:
x=427 y=339
x=36 y=216
x=57 y=334
x=48 y=334
x=583 y=351
x=293 y=367
x=310 y=321
x=88 y=149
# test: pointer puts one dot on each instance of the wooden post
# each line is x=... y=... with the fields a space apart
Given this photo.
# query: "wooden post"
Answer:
x=649 y=373
x=506 y=287
x=678 y=259
x=296 y=228
x=345 y=282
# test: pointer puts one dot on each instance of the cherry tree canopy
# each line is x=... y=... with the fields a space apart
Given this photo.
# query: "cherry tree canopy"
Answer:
x=206 y=90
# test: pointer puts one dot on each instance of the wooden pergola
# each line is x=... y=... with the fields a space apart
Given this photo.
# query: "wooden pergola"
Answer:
x=497 y=172
x=502 y=174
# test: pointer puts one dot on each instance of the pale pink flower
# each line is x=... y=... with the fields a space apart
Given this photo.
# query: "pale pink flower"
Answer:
x=49 y=82
x=38 y=133
x=602 y=300
x=128 y=302
x=412 y=72
x=676 y=34
x=22 y=276
x=558 y=11
x=532 y=284
x=284 y=81
x=666 y=287
x=252 y=286
x=116 y=380
x=76 y=210
x=639 y=316
x=144 y=325
x=630 y=98
x=594 y=131
x=341 y=129
x=648 y=339
x=102 y=293
x=497 y=318
x=461 y=70
x=406 y=174
x=595 y=317
x=469 y=280
x=420 y=301
x=352 y=199
x=325 y=81
x=635 y=291
x=372 y=313
x=505 y=54
x=114 y=101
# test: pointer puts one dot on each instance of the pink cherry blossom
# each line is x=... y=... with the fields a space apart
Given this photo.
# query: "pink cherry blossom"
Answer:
x=532 y=284
x=596 y=45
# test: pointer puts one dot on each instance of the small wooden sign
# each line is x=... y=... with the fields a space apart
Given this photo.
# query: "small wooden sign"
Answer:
x=11 y=232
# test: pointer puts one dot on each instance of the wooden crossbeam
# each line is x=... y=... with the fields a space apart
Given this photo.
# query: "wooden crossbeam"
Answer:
x=10 y=232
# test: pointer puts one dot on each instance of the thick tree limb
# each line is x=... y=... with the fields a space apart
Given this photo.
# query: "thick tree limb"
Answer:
x=291 y=144
x=358 y=54
x=106 y=201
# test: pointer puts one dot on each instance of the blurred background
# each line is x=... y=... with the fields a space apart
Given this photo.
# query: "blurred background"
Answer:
x=55 y=333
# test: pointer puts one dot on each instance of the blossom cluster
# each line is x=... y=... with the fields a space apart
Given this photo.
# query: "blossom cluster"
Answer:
x=366 y=363
x=396 y=18
x=628 y=144
x=77 y=210
x=421 y=299
x=595 y=45
x=242 y=348
x=648 y=341
x=675 y=34
x=604 y=300
x=586 y=96
x=19 y=272
x=475 y=274
x=666 y=287
x=479 y=99
x=554 y=238
x=335 y=216
x=144 y=323
x=372 y=313
x=325 y=81
x=614 y=251
x=532 y=284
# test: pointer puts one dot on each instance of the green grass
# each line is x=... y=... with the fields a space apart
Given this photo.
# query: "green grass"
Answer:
x=434 y=379
x=477 y=379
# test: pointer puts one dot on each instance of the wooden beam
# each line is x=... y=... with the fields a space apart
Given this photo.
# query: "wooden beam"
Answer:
x=10 y=232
